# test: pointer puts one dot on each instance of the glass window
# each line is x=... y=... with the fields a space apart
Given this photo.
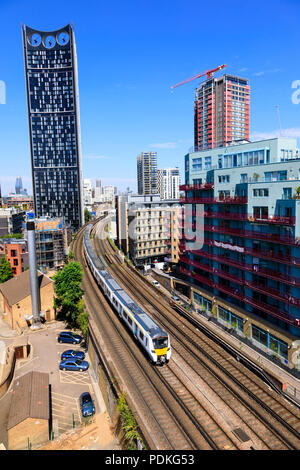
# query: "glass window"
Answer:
x=287 y=193
x=200 y=300
x=282 y=175
x=207 y=163
x=237 y=322
x=261 y=157
x=260 y=335
x=268 y=175
x=278 y=347
x=223 y=314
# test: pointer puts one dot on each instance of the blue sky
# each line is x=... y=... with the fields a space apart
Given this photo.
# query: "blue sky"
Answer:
x=129 y=54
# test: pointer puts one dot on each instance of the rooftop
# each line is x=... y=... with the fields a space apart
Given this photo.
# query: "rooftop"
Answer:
x=30 y=398
x=18 y=288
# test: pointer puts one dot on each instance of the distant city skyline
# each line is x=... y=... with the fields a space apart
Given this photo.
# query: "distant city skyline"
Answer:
x=124 y=108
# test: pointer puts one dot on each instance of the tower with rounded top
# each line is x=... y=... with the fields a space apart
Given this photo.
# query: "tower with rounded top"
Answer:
x=54 y=123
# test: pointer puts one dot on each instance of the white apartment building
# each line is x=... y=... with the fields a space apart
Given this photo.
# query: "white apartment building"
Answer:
x=108 y=193
x=87 y=192
x=168 y=183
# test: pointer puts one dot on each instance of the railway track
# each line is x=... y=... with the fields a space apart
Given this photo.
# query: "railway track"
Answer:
x=268 y=419
x=160 y=414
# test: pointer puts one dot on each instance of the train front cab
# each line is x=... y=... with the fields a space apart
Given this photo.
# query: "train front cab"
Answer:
x=162 y=349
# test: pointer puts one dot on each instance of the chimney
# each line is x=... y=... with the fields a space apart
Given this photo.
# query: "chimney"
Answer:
x=34 y=285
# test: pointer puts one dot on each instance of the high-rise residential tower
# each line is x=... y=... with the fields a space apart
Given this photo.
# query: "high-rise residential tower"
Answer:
x=54 y=123
x=147 y=173
x=221 y=112
x=168 y=183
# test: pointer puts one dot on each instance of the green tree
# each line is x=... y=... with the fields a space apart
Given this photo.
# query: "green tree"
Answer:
x=13 y=235
x=87 y=215
x=71 y=255
x=68 y=292
x=5 y=270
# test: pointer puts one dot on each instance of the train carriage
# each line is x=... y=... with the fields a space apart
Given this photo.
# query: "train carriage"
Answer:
x=152 y=338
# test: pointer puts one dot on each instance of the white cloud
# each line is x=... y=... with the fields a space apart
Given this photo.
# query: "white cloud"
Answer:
x=164 y=145
x=291 y=132
x=263 y=72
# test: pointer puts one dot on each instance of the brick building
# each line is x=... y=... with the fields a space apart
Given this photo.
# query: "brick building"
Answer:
x=15 y=300
x=28 y=421
x=16 y=252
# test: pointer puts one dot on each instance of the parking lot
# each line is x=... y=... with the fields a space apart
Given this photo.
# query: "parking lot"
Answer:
x=66 y=386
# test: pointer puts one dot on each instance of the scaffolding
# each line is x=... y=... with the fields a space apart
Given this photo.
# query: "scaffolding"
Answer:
x=51 y=243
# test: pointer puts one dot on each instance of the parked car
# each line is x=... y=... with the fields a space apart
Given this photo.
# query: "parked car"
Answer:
x=175 y=298
x=86 y=404
x=73 y=364
x=156 y=284
x=69 y=337
x=70 y=353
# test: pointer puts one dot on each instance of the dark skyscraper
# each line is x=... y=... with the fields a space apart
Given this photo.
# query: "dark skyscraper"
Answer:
x=54 y=123
x=19 y=185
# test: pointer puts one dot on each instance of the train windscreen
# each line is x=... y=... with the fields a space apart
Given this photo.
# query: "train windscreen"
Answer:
x=161 y=342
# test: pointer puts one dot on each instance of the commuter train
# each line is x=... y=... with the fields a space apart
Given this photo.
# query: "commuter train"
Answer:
x=149 y=334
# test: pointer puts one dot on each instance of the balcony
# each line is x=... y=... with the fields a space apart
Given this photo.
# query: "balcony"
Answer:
x=218 y=215
x=274 y=311
x=255 y=269
x=212 y=200
x=252 y=234
x=210 y=269
x=279 y=257
x=283 y=297
x=275 y=219
x=196 y=187
x=200 y=278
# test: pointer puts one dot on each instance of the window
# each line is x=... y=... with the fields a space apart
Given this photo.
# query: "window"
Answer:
x=259 y=335
x=223 y=314
x=224 y=179
x=197 y=164
x=271 y=342
x=260 y=212
x=278 y=346
x=141 y=335
x=207 y=163
x=287 y=193
x=276 y=176
x=244 y=178
x=261 y=192
x=200 y=300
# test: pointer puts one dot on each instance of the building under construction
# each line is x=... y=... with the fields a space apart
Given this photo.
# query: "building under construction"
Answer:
x=51 y=243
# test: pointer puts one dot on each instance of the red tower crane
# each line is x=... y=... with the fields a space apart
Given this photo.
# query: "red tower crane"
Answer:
x=208 y=73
